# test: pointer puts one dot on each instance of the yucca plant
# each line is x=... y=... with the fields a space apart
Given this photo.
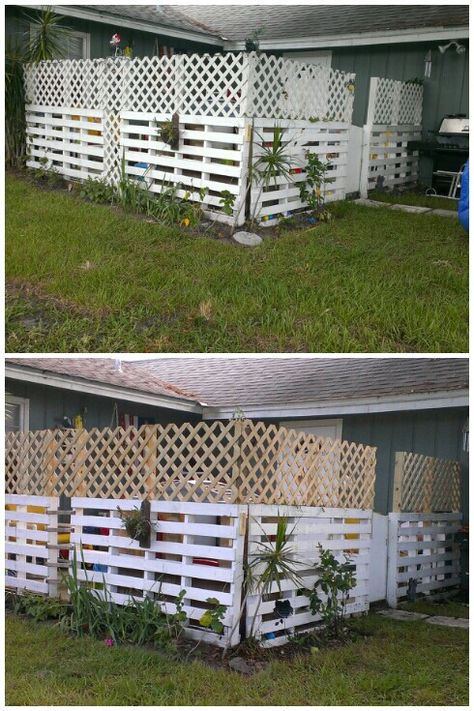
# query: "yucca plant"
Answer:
x=273 y=562
x=47 y=41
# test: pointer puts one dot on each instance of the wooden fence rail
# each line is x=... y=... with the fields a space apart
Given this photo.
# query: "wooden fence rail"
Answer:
x=234 y=462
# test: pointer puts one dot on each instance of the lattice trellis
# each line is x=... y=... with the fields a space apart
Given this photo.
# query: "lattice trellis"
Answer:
x=229 y=84
x=231 y=462
x=429 y=484
x=397 y=103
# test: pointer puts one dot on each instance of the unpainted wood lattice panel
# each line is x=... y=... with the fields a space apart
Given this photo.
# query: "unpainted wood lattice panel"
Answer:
x=398 y=102
x=430 y=484
x=232 y=462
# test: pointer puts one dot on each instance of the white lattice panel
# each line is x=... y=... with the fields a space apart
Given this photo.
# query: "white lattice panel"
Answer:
x=391 y=164
x=343 y=531
x=397 y=102
x=232 y=84
x=329 y=141
x=422 y=547
x=194 y=547
x=29 y=557
x=284 y=88
x=71 y=141
x=211 y=155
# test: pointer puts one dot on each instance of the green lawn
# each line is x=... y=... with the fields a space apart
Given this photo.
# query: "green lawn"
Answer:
x=85 y=277
x=398 y=663
x=419 y=199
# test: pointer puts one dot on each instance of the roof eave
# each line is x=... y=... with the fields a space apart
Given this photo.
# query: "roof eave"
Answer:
x=360 y=406
x=92 y=387
x=153 y=28
x=427 y=34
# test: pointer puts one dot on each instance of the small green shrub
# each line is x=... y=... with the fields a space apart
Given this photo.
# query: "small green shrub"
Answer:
x=213 y=617
x=335 y=580
x=227 y=201
x=38 y=607
x=98 y=191
x=312 y=189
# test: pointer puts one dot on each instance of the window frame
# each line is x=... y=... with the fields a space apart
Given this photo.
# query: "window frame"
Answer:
x=24 y=403
x=85 y=36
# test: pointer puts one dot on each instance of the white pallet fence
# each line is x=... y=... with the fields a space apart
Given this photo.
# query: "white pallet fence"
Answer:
x=212 y=155
x=328 y=140
x=31 y=549
x=343 y=531
x=422 y=547
x=194 y=547
x=394 y=115
x=216 y=97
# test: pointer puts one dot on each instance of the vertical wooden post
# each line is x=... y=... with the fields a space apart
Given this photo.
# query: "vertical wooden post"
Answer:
x=398 y=480
x=366 y=139
x=392 y=559
x=53 y=550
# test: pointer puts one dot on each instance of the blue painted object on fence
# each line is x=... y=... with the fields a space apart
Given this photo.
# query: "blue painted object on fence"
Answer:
x=463 y=207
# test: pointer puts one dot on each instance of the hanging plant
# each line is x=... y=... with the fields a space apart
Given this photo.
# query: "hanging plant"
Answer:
x=137 y=524
x=169 y=132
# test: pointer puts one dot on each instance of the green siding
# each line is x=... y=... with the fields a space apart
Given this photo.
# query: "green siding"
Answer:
x=49 y=405
x=143 y=43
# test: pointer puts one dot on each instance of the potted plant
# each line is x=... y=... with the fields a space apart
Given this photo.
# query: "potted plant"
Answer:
x=169 y=132
x=137 y=524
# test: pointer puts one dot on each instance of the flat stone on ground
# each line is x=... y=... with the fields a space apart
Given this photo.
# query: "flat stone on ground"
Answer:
x=411 y=208
x=370 y=203
x=449 y=621
x=249 y=239
x=444 y=213
x=402 y=615
x=239 y=664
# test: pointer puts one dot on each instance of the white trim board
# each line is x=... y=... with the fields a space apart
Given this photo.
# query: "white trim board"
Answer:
x=95 y=388
x=103 y=16
x=358 y=39
x=334 y=408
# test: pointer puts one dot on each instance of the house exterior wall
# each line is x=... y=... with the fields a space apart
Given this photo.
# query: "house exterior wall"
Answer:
x=143 y=43
x=436 y=433
x=48 y=406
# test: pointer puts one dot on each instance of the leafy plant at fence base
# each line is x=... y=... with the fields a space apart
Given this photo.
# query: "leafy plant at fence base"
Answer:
x=312 y=189
x=98 y=191
x=39 y=607
x=335 y=580
x=227 y=201
x=213 y=618
x=141 y=621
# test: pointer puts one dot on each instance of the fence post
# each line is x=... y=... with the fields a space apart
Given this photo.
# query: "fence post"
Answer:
x=398 y=480
x=366 y=137
x=53 y=550
x=392 y=559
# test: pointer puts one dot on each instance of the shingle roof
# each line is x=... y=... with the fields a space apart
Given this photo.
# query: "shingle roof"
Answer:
x=236 y=22
x=104 y=370
x=163 y=15
x=263 y=381
x=243 y=381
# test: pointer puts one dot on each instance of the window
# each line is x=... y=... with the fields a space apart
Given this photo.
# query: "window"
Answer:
x=17 y=410
x=77 y=44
